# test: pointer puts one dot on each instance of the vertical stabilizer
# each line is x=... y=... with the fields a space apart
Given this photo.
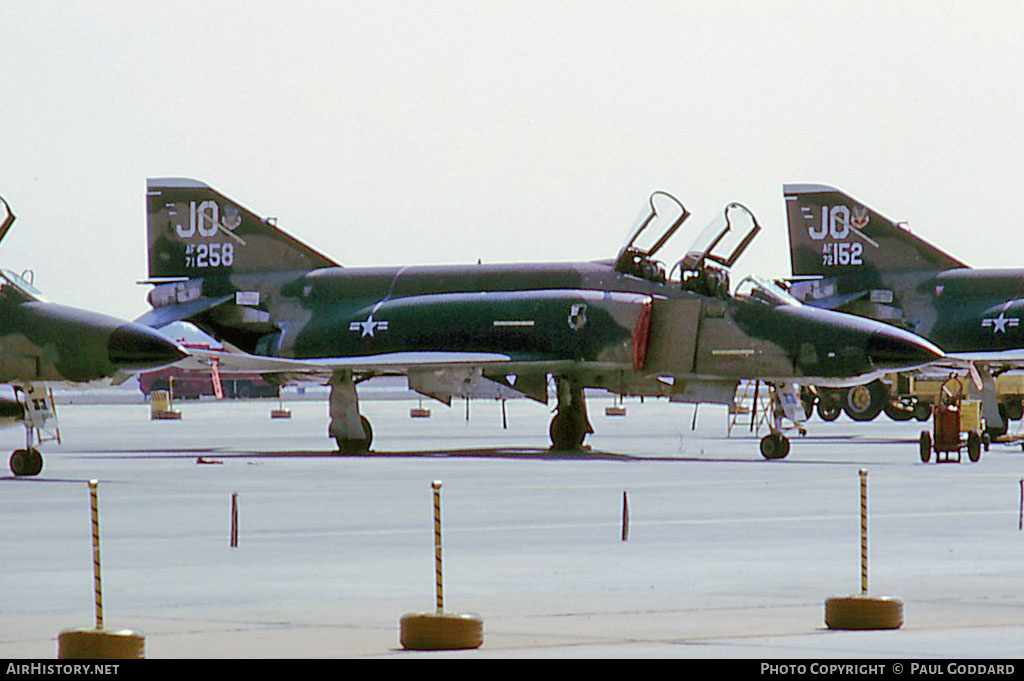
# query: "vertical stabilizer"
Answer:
x=194 y=231
x=833 y=234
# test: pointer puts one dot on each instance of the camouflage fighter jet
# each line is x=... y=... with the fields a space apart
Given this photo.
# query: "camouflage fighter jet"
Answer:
x=846 y=256
x=627 y=325
x=43 y=343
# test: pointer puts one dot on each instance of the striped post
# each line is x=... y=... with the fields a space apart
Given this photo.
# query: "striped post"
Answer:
x=863 y=531
x=234 y=520
x=436 y=485
x=97 y=581
x=625 y=516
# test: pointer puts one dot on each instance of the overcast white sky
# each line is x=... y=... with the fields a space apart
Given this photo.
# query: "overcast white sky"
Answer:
x=442 y=132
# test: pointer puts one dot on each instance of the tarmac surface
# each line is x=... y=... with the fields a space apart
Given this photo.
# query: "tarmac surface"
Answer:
x=727 y=556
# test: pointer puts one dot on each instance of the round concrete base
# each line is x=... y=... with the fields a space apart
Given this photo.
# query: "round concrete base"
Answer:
x=441 y=631
x=863 y=612
x=100 y=644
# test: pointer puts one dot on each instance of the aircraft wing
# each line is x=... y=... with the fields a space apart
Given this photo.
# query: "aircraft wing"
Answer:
x=1009 y=357
x=390 y=363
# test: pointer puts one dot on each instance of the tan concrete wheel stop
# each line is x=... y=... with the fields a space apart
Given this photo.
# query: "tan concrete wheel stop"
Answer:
x=99 y=643
x=862 y=611
x=280 y=412
x=440 y=630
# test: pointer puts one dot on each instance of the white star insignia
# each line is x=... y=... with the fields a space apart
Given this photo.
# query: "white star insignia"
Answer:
x=369 y=327
x=1000 y=323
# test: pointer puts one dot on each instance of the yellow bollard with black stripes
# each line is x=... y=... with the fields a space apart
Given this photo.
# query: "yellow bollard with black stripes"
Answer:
x=863 y=612
x=99 y=643
x=440 y=630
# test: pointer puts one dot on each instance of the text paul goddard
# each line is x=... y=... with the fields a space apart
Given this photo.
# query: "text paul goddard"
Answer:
x=934 y=668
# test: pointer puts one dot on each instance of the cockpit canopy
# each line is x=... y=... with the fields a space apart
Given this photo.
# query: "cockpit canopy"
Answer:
x=19 y=285
x=722 y=242
x=724 y=239
x=761 y=290
x=655 y=227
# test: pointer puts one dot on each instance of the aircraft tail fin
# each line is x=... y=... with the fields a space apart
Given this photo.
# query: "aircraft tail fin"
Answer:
x=831 y=233
x=195 y=231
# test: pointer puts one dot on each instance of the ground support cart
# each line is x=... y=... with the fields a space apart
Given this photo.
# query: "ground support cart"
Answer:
x=956 y=423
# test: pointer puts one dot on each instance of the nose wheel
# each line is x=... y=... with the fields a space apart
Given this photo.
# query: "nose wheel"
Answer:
x=26 y=462
x=774 y=446
x=570 y=425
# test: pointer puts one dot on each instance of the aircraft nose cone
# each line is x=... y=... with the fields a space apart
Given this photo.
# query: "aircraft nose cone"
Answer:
x=897 y=349
x=134 y=347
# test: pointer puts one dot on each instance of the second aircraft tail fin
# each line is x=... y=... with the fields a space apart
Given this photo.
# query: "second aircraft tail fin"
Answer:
x=195 y=231
x=831 y=233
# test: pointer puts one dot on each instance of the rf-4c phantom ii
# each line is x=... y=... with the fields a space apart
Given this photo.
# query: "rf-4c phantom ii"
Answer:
x=44 y=344
x=852 y=259
x=627 y=325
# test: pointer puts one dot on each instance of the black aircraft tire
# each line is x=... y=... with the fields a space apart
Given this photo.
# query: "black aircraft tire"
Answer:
x=19 y=463
x=352 y=446
x=566 y=432
x=925 y=444
x=36 y=461
x=828 y=410
x=922 y=411
x=440 y=631
x=863 y=612
x=864 y=402
x=897 y=412
x=995 y=431
x=26 y=462
x=774 y=446
x=974 y=446
x=1013 y=409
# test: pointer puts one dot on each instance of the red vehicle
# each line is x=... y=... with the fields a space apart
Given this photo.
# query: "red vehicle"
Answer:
x=192 y=384
x=195 y=383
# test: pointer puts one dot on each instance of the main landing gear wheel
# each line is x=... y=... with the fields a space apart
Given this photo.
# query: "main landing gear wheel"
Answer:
x=1012 y=409
x=864 y=402
x=898 y=412
x=828 y=406
x=26 y=462
x=357 y=446
x=567 y=431
x=995 y=432
x=774 y=446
